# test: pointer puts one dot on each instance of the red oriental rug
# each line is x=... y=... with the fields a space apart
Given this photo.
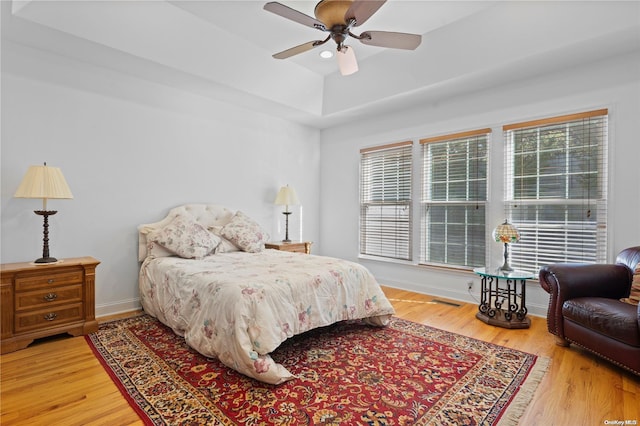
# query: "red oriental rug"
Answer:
x=348 y=374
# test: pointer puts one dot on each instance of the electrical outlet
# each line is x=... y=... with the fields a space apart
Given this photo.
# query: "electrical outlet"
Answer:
x=469 y=285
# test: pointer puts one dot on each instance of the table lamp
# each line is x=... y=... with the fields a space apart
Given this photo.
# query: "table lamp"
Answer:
x=44 y=182
x=286 y=197
x=508 y=234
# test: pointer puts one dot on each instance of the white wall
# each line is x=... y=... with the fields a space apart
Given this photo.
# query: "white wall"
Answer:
x=131 y=150
x=613 y=84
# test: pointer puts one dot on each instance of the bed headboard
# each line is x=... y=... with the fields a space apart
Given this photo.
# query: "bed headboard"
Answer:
x=207 y=215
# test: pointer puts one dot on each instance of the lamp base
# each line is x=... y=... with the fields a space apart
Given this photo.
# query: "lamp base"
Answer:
x=505 y=266
x=45 y=238
x=46 y=260
x=286 y=232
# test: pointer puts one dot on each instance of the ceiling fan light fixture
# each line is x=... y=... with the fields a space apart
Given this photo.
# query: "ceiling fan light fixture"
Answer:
x=347 y=60
x=326 y=54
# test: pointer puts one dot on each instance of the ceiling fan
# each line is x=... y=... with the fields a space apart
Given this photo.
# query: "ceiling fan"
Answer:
x=338 y=17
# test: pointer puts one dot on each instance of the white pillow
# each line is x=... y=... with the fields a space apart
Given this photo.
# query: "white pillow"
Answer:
x=186 y=238
x=245 y=233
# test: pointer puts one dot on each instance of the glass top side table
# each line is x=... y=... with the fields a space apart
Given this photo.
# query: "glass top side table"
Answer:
x=501 y=303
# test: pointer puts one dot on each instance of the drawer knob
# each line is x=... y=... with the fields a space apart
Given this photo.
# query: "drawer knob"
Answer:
x=51 y=316
x=50 y=297
x=50 y=280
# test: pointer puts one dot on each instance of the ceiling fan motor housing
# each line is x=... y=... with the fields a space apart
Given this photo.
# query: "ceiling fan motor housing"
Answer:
x=331 y=12
x=339 y=38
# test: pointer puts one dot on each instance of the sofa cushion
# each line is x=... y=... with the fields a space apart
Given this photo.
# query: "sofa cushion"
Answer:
x=634 y=297
x=609 y=317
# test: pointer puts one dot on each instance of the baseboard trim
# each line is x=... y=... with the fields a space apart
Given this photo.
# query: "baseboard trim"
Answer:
x=121 y=307
x=532 y=308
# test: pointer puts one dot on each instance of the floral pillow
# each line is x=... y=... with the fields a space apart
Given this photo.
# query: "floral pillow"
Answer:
x=245 y=233
x=155 y=250
x=225 y=245
x=186 y=238
x=634 y=297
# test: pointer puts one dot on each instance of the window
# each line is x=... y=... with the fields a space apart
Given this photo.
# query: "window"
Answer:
x=454 y=195
x=385 y=201
x=556 y=189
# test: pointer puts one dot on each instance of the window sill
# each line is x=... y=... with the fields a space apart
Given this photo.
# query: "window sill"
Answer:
x=434 y=267
x=386 y=260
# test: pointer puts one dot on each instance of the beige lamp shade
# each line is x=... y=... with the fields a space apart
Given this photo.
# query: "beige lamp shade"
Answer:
x=43 y=182
x=287 y=197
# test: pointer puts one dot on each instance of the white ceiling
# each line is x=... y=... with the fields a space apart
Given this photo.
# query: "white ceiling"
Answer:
x=223 y=49
x=246 y=20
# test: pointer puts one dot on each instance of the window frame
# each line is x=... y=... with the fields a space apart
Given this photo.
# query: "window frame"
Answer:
x=497 y=206
x=472 y=244
x=392 y=232
x=576 y=237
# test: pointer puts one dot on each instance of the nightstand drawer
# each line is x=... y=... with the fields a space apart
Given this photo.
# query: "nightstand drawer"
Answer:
x=32 y=282
x=32 y=320
x=294 y=247
x=48 y=297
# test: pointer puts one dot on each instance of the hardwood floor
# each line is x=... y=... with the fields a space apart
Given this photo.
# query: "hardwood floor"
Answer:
x=58 y=381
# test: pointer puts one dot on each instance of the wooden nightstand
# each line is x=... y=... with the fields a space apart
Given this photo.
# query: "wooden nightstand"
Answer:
x=46 y=299
x=294 y=246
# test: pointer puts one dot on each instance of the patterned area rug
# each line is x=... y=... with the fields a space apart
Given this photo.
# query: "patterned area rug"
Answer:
x=348 y=374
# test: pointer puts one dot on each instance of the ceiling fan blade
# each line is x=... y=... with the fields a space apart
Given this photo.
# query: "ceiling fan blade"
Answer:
x=298 y=49
x=391 y=39
x=292 y=14
x=362 y=10
x=347 y=61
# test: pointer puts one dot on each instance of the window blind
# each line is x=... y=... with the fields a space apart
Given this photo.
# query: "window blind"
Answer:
x=454 y=196
x=385 y=201
x=556 y=189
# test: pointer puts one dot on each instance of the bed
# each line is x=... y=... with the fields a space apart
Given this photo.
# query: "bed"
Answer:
x=206 y=275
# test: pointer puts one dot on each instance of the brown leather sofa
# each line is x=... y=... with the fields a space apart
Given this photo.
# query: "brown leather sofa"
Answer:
x=585 y=308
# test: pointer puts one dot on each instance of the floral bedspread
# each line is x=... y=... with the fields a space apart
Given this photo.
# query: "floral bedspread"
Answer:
x=239 y=307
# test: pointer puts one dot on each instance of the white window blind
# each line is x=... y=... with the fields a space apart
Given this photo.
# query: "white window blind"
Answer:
x=454 y=196
x=385 y=201
x=556 y=189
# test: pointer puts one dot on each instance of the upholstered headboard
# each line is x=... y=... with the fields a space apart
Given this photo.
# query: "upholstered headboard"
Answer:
x=207 y=215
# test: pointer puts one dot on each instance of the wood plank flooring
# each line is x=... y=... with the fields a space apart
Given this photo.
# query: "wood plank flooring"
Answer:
x=58 y=381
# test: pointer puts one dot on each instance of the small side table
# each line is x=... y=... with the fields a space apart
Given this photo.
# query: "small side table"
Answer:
x=501 y=303
x=293 y=246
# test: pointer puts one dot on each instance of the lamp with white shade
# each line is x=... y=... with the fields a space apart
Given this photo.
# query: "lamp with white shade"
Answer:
x=286 y=197
x=44 y=182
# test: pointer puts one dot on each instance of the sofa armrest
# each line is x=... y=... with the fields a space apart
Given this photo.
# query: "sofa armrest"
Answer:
x=565 y=281
x=630 y=257
x=571 y=280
